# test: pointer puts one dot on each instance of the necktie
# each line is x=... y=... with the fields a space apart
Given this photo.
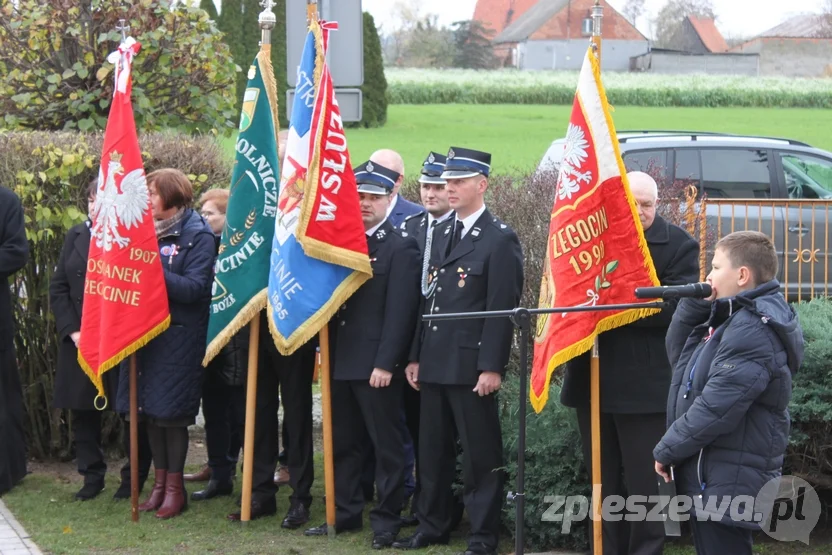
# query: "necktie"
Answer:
x=457 y=234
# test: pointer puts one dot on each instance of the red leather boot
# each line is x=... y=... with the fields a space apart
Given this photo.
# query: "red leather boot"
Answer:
x=157 y=495
x=176 y=498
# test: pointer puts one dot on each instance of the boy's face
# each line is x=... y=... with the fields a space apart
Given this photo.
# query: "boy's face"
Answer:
x=725 y=279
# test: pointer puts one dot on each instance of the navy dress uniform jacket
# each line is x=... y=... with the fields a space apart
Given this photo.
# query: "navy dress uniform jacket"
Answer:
x=416 y=226
x=402 y=210
x=374 y=328
x=483 y=272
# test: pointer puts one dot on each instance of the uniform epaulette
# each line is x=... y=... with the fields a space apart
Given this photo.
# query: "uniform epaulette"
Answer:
x=496 y=222
x=416 y=215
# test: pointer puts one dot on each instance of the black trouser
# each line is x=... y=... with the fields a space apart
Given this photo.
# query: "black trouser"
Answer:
x=86 y=427
x=223 y=407
x=363 y=415
x=293 y=374
x=411 y=416
x=144 y=456
x=478 y=423
x=715 y=538
x=627 y=468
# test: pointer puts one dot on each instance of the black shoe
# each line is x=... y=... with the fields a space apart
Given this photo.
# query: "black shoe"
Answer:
x=478 y=548
x=89 y=491
x=322 y=530
x=420 y=541
x=297 y=516
x=383 y=540
x=258 y=510
x=410 y=520
x=123 y=491
x=215 y=488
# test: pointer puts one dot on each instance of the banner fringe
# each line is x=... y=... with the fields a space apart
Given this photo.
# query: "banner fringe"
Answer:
x=121 y=355
x=538 y=400
x=312 y=326
x=265 y=59
x=242 y=319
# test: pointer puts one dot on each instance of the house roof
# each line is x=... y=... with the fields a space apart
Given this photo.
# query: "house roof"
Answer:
x=538 y=23
x=497 y=14
x=705 y=27
x=533 y=18
x=799 y=26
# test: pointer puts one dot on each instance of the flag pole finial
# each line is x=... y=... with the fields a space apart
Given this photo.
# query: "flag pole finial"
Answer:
x=597 y=14
x=267 y=21
x=123 y=28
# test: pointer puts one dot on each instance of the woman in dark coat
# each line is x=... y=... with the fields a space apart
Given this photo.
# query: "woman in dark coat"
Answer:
x=14 y=251
x=73 y=389
x=170 y=366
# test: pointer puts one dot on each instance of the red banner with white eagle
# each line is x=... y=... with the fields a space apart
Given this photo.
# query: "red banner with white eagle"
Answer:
x=125 y=298
x=596 y=253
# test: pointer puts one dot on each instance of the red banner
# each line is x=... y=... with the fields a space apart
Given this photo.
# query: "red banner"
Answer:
x=331 y=228
x=596 y=253
x=125 y=299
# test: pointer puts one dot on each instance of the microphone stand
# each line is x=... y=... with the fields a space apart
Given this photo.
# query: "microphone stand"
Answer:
x=521 y=318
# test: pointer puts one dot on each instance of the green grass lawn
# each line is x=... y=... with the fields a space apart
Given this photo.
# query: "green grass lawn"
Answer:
x=518 y=135
x=45 y=506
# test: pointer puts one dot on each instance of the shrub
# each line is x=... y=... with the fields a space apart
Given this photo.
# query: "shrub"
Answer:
x=810 y=443
x=554 y=466
x=49 y=171
x=374 y=90
x=54 y=74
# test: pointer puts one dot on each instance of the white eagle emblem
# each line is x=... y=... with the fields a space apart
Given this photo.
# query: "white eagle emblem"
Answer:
x=114 y=208
x=574 y=156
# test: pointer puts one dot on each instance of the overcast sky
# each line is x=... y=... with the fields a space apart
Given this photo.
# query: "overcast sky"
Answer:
x=735 y=18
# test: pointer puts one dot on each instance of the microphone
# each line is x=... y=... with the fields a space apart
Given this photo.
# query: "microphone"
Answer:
x=694 y=290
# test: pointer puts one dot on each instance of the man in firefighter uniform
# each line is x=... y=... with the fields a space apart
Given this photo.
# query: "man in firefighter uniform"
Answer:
x=477 y=266
x=371 y=337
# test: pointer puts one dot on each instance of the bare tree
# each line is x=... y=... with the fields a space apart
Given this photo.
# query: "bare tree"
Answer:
x=671 y=18
x=634 y=9
x=826 y=20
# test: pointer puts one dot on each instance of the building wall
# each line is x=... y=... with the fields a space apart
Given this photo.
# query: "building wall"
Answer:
x=569 y=55
x=796 y=57
x=714 y=64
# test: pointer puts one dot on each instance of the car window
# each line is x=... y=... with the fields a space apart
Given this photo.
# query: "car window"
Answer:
x=653 y=162
x=736 y=173
x=687 y=167
x=806 y=176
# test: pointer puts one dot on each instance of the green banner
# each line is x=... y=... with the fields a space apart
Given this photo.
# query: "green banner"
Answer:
x=241 y=274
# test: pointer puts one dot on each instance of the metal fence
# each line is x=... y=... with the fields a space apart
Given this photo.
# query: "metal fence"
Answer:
x=799 y=230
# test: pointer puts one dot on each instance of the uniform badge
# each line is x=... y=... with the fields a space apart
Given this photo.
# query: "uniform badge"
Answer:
x=451 y=153
x=380 y=234
x=475 y=232
x=370 y=167
x=404 y=234
x=447 y=230
x=462 y=276
x=431 y=159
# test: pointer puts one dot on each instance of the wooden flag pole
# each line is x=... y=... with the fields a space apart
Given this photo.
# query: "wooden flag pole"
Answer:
x=594 y=368
x=134 y=440
x=326 y=405
x=251 y=404
x=326 y=390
